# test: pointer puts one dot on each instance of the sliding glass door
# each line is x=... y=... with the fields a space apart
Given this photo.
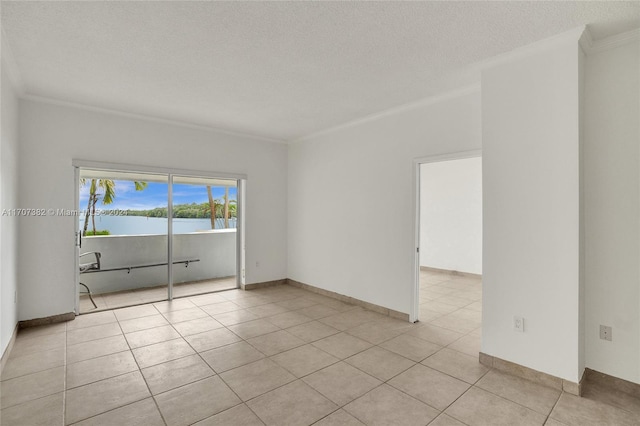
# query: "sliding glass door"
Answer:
x=204 y=239
x=123 y=243
x=147 y=237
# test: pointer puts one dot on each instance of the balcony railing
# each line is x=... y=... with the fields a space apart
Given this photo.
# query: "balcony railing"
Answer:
x=215 y=251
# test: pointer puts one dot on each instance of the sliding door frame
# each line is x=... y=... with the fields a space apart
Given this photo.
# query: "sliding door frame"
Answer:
x=170 y=173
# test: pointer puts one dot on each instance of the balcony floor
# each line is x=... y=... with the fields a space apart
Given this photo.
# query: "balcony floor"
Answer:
x=152 y=294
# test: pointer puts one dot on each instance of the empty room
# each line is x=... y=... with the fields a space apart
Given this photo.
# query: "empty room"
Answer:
x=237 y=213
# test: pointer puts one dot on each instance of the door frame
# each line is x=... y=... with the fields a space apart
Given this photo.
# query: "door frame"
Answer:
x=78 y=240
x=414 y=312
x=170 y=173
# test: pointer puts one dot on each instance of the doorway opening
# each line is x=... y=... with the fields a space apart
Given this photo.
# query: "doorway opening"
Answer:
x=448 y=296
x=147 y=237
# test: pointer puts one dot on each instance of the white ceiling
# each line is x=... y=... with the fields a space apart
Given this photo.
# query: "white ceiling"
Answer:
x=279 y=70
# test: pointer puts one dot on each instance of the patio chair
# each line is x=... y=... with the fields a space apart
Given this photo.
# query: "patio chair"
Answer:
x=91 y=266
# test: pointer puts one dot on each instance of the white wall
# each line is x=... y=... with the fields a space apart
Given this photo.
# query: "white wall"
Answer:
x=52 y=135
x=351 y=211
x=612 y=213
x=216 y=251
x=531 y=209
x=8 y=200
x=451 y=215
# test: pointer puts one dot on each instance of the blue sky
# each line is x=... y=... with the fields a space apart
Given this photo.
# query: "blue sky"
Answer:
x=154 y=195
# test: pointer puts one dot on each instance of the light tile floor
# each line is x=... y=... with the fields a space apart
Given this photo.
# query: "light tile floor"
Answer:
x=121 y=299
x=282 y=356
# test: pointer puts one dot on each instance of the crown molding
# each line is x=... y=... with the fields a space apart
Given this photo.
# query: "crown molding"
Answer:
x=613 y=41
x=571 y=36
x=10 y=65
x=393 y=111
x=144 y=117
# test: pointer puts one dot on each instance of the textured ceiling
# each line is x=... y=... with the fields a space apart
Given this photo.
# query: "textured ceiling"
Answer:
x=280 y=70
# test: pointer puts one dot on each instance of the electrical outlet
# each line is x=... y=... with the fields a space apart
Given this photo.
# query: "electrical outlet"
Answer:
x=518 y=324
x=605 y=332
x=257 y=264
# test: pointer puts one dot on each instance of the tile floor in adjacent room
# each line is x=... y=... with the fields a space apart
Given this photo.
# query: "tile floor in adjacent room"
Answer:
x=282 y=356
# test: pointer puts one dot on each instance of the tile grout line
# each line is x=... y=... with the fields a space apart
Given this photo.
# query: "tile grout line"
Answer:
x=413 y=397
x=554 y=407
x=242 y=402
x=515 y=402
x=386 y=382
x=64 y=387
x=105 y=412
x=269 y=357
x=63 y=366
x=421 y=290
x=13 y=356
x=461 y=395
x=329 y=414
x=101 y=356
x=382 y=382
x=140 y=370
x=36 y=372
x=31 y=400
x=266 y=357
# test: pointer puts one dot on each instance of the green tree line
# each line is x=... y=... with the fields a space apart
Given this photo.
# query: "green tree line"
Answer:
x=188 y=211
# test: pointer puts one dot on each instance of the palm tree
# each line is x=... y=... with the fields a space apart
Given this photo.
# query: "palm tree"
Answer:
x=226 y=207
x=109 y=187
x=233 y=208
x=83 y=181
x=212 y=207
x=218 y=208
x=93 y=199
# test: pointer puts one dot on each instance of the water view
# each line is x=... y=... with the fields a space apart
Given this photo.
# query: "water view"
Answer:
x=140 y=225
x=139 y=203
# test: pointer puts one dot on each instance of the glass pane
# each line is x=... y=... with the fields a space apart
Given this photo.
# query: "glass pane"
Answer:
x=123 y=218
x=204 y=235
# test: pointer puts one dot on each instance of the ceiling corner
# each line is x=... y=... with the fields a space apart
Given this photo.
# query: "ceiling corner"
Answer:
x=586 y=40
